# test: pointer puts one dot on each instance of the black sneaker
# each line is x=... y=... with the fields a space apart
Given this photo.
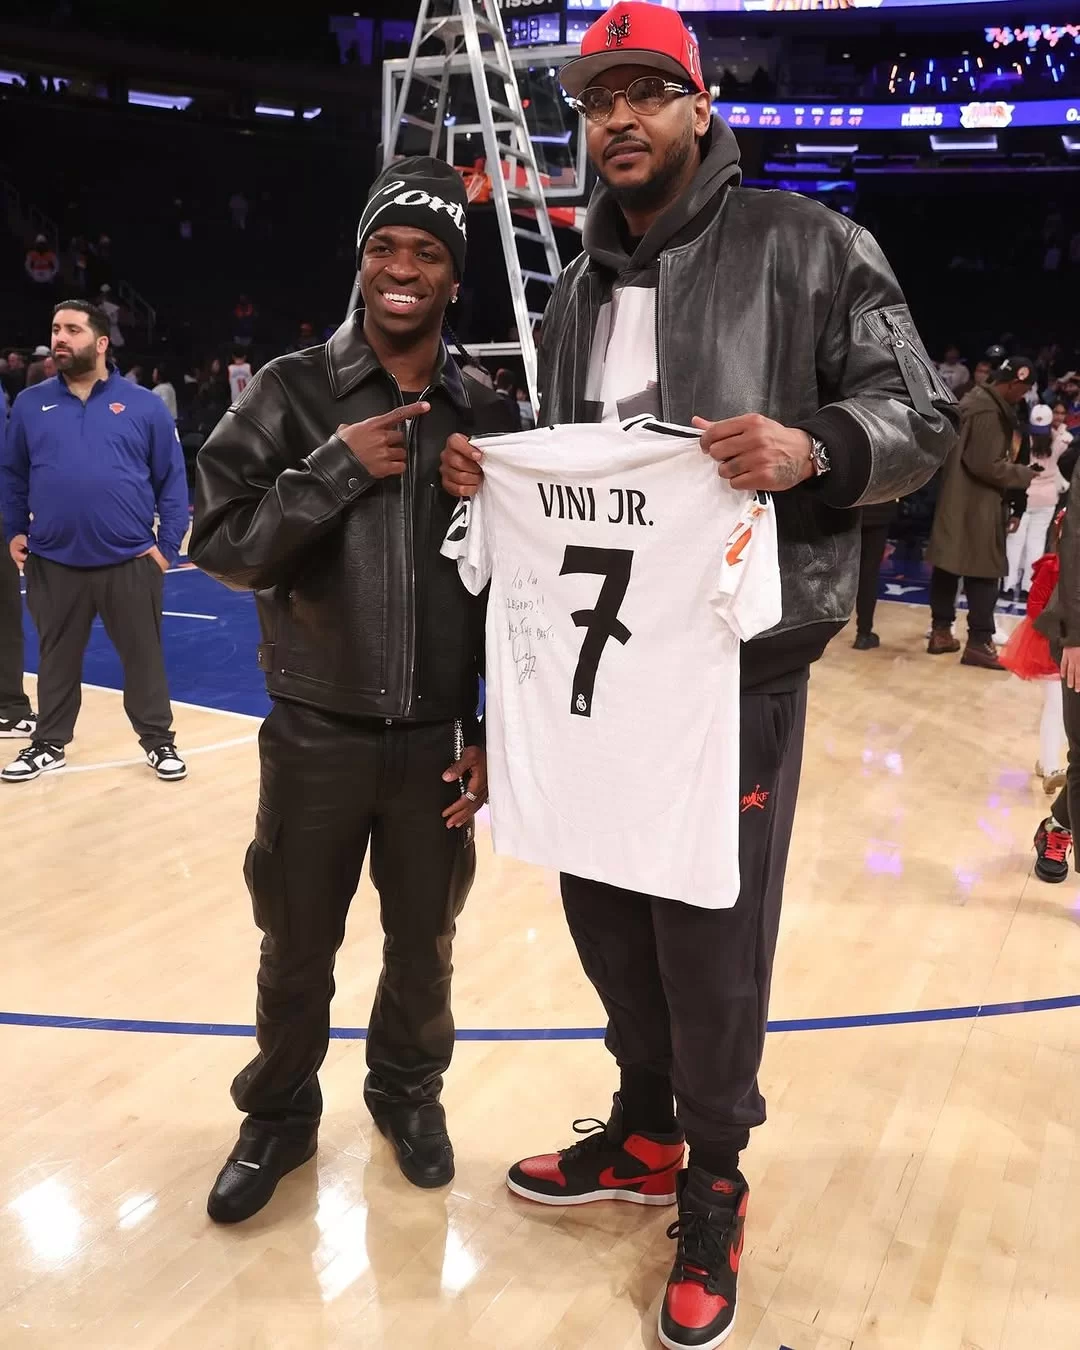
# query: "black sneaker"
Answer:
x=166 y=763
x=38 y=758
x=866 y=642
x=608 y=1164
x=698 y=1311
x=1052 y=845
x=18 y=728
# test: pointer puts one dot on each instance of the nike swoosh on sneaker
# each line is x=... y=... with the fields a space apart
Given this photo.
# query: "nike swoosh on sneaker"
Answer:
x=608 y=1178
x=48 y=407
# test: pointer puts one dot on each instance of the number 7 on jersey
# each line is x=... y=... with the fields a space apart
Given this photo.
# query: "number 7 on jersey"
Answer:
x=602 y=621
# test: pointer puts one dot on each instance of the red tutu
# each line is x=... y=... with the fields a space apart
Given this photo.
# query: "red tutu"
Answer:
x=1027 y=654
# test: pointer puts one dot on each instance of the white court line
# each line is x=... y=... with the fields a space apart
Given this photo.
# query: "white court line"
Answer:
x=179 y=614
x=176 y=703
x=187 y=753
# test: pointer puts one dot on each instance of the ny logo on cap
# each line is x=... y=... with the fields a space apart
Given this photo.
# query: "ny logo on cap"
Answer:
x=616 y=32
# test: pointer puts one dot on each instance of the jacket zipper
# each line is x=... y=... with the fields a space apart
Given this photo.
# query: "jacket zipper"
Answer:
x=407 y=487
x=912 y=367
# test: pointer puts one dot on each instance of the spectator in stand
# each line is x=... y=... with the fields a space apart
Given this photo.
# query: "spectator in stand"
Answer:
x=14 y=377
x=506 y=388
x=80 y=264
x=42 y=367
x=525 y=409
x=1068 y=394
x=134 y=373
x=953 y=371
x=238 y=210
x=305 y=338
x=983 y=370
x=109 y=307
x=164 y=390
x=41 y=263
x=1059 y=430
x=103 y=261
x=239 y=375
x=211 y=399
x=243 y=322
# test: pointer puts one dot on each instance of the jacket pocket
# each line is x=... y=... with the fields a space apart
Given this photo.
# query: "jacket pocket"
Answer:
x=893 y=328
x=264 y=872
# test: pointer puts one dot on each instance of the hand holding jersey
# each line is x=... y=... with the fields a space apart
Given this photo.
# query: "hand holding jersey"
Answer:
x=754 y=453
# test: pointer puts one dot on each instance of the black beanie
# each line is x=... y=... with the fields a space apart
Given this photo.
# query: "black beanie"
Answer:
x=426 y=193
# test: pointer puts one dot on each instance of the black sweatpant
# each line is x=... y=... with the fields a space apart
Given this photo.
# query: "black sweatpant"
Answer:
x=1062 y=810
x=14 y=705
x=329 y=785
x=871 y=553
x=981 y=595
x=686 y=990
x=63 y=603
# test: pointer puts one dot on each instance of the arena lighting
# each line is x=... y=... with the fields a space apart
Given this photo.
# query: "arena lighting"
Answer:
x=959 y=147
x=801 y=148
x=147 y=100
x=1071 y=144
x=11 y=77
x=268 y=110
x=310 y=113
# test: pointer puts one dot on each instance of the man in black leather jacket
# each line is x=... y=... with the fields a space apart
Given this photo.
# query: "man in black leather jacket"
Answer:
x=777 y=328
x=319 y=491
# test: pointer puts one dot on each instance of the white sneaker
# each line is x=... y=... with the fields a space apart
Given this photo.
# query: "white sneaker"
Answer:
x=166 y=763
x=21 y=729
x=36 y=759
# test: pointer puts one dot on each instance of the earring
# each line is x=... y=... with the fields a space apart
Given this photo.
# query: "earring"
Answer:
x=453 y=298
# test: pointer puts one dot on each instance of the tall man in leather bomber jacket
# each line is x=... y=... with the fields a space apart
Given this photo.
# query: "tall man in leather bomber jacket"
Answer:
x=777 y=328
x=319 y=491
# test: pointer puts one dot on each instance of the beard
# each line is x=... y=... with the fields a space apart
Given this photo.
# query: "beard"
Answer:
x=76 y=363
x=657 y=190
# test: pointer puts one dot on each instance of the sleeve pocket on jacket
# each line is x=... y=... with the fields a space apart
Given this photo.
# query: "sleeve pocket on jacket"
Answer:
x=267 y=827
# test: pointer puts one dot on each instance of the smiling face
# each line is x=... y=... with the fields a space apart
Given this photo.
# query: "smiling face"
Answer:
x=406 y=280
x=644 y=160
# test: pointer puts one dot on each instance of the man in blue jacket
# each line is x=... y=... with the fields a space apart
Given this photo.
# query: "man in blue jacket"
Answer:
x=88 y=459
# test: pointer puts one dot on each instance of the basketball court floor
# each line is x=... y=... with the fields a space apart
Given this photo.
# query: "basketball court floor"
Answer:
x=917 y=1186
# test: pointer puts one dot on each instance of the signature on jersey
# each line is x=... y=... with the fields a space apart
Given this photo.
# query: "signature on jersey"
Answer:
x=524 y=660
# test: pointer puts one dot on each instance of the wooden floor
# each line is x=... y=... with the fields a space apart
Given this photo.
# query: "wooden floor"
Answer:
x=917 y=1186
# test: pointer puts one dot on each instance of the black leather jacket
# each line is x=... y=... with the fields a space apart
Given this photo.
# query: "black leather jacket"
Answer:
x=768 y=302
x=360 y=615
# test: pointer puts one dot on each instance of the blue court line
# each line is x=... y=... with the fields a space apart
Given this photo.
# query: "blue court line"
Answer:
x=887 y=1019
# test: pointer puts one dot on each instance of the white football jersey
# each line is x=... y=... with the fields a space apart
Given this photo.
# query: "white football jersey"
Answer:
x=624 y=574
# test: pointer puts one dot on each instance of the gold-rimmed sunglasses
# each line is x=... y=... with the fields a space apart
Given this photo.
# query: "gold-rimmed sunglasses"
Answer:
x=646 y=96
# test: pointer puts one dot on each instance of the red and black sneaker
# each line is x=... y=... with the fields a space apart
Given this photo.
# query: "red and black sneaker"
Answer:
x=1052 y=845
x=607 y=1165
x=698 y=1312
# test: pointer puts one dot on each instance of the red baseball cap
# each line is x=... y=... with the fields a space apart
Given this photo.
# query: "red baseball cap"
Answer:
x=634 y=33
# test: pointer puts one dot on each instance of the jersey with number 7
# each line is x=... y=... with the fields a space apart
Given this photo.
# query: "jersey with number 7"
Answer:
x=625 y=573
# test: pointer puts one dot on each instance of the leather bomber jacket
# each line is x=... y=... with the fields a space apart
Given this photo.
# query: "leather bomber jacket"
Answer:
x=360 y=614
x=782 y=307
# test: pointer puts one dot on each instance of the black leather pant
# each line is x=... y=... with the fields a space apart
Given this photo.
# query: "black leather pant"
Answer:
x=328 y=786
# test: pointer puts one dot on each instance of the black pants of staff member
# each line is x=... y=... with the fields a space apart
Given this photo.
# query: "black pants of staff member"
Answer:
x=1068 y=799
x=981 y=595
x=64 y=602
x=328 y=787
x=14 y=705
x=686 y=990
x=872 y=551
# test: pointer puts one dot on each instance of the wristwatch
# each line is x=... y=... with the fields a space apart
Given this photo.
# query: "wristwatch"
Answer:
x=819 y=457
